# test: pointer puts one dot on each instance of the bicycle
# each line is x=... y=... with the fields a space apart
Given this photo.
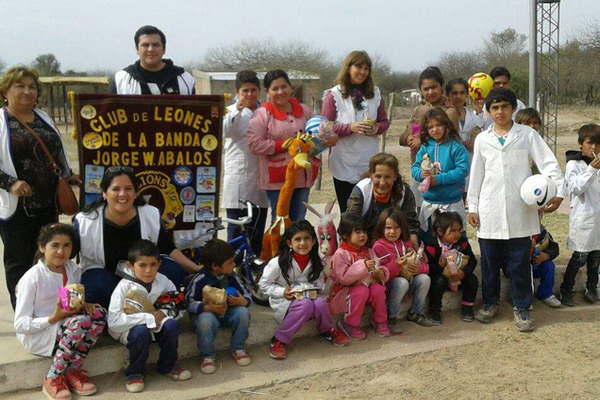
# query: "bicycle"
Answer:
x=248 y=266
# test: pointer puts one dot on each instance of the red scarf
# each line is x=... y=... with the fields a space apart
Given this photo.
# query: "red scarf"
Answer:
x=382 y=198
x=301 y=260
x=297 y=110
x=356 y=252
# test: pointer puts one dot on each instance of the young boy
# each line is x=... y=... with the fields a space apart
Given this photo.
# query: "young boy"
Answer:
x=217 y=257
x=583 y=185
x=142 y=285
x=544 y=251
x=240 y=165
x=501 y=77
x=504 y=222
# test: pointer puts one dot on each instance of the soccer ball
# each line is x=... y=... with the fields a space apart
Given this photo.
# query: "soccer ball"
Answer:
x=538 y=190
x=480 y=85
x=313 y=125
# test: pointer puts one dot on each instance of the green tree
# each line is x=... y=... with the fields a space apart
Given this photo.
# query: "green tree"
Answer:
x=46 y=65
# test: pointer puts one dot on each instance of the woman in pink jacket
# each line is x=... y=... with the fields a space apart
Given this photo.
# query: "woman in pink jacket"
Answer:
x=279 y=119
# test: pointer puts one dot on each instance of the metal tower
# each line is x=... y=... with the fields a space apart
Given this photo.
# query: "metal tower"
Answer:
x=543 y=65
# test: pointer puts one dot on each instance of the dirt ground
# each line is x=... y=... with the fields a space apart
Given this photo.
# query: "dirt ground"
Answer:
x=560 y=360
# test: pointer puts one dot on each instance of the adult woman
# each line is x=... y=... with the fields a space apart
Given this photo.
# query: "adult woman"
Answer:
x=276 y=120
x=356 y=106
x=27 y=182
x=383 y=188
x=107 y=229
x=431 y=85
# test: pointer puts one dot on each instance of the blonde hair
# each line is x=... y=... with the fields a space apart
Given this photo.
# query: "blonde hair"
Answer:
x=17 y=74
x=356 y=57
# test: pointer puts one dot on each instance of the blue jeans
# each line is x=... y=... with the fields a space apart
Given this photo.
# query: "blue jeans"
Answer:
x=207 y=325
x=138 y=344
x=514 y=255
x=545 y=273
x=397 y=289
x=255 y=229
x=297 y=209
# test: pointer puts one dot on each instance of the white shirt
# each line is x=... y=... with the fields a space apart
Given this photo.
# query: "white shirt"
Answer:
x=240 y=166
x=37 y=296
x=583 y=186
x=497 y=172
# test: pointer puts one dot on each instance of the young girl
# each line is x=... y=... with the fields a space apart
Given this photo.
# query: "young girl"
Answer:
x=393 y=245
x=292 y=281
x=42 y=325
x=451 y=264
x=442 y=146
x=357 y=280
x=469 y=125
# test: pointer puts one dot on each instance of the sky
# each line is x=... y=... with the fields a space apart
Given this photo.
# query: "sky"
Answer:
x=409 y=34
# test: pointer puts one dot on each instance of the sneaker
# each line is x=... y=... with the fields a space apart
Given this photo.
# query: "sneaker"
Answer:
x=339 y=338
x=590 y=296
x=179 y=374
x=394 y=325
x=351 y=331
x=241 y=358
x=208 y=366
x=382 y=330
x=467 y=314
x=552 y=301
x=522 y=321
x=134 y=384
x=566 y=299
x=79 y=382
x=486 y=314
x=436 y=317
x=422 y=320
x=56 y=388
x=277 y=350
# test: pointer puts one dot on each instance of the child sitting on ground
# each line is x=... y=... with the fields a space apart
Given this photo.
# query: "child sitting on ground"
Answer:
x=294 y=281
x=226 y=307
x=394 y=247
x=140 y=287
x=45 y=326
x=544 y=249
x=357 y=280
x=451 y=264
x=583 y=185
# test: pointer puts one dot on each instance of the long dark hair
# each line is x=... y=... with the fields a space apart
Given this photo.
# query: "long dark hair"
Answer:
x=48 y=232
x=396 y=215
x=109 y=175
x=285 y=252
x=438 y=114
x=444 y=220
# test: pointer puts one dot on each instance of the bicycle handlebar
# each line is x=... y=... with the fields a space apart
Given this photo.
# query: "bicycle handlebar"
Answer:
x=239 y=221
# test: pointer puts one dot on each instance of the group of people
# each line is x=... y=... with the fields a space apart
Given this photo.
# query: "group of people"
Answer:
x=395 y=236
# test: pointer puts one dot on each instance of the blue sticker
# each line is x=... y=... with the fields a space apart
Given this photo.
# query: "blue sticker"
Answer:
x=182 y=176
x=537 y=191
x=187 y=195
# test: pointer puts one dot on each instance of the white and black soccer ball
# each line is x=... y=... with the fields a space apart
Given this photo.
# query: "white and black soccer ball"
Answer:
x=538 y=190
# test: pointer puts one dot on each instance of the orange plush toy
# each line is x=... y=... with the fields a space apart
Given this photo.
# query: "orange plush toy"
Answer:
x=298 y=148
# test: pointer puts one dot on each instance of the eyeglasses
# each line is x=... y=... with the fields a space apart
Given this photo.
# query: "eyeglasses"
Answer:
x=119 y=168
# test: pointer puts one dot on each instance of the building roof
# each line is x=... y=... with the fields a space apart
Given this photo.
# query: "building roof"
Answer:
x=74 y=80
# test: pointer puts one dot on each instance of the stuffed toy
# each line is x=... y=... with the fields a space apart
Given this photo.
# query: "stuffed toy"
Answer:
x=172 y=303
x=304 y=291
x=326 y=235
x=298 y=148
x=414 y=263
x=214 y=296
x=456 y=261
x=71 y=296
x=136 y=301
x=428 y=166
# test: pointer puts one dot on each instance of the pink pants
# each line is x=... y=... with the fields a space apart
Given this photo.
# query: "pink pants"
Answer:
x=359 y=296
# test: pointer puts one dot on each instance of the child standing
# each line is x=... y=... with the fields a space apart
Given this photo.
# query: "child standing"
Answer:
x=451 y=264
x=357 y=281
x=218 y=260
x=44 y=327
x=450 y=162
x=136 y=330
x=288 y=280
x=583 y=185
x=393 y=246
x=504 y=222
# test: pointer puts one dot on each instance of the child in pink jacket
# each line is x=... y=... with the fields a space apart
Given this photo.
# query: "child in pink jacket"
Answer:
x=357 y=281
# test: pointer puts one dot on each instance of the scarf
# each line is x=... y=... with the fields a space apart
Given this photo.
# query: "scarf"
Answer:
x=301 y=260
x=297 y=110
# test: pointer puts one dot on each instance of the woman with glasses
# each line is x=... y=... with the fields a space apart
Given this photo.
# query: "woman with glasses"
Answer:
x=108 y=228
x=27 y=181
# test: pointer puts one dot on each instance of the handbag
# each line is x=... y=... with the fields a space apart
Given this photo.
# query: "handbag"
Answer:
x=66 y=201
